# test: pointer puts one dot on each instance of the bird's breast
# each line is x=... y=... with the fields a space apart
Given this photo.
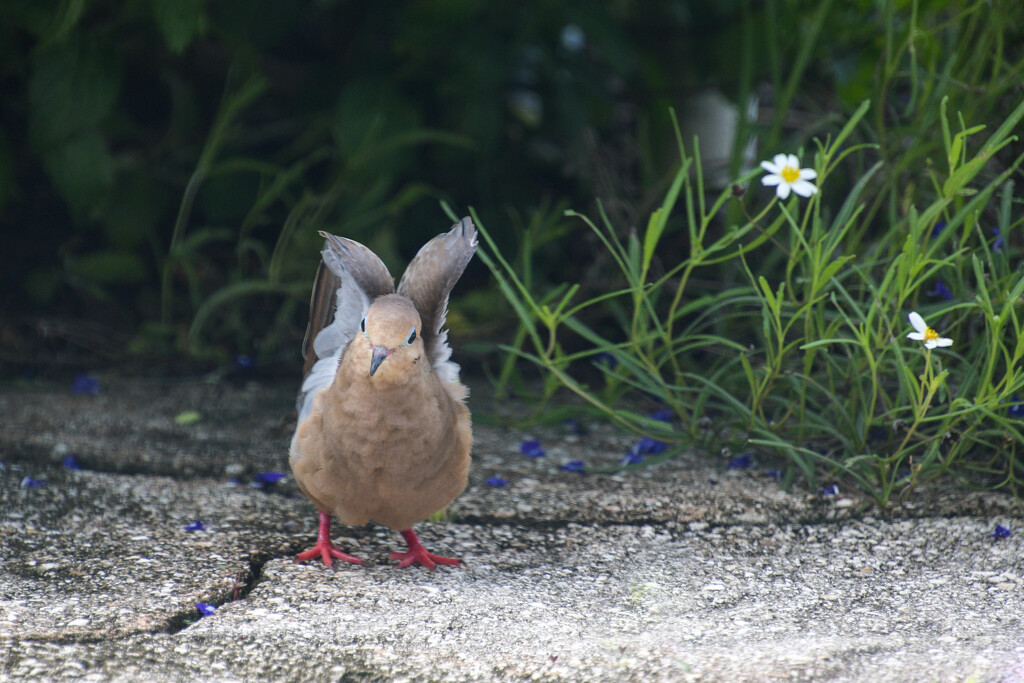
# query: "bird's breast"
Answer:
x=392 y=431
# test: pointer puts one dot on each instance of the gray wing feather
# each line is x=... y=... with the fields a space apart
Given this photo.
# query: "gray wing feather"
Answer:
x=350 y=277
x=428 y=281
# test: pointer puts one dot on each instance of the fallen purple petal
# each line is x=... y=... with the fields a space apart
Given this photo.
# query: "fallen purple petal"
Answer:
x=30 y=483
x=663 y=415
x=205 y=609
x=531 y=449
x=741 y=462
x=70 y=463
x=262 y=480
x=575 y=466
x=632 y=458
x=830 y=490
x=574 y=426
x=244 y=362
x=605 y=358
x=195 y=526
x=496 y=481
x=877 y=434
x=774 y=474
x=1000 y=532
x=938 y=228
x=648 y=446
x=85 y=383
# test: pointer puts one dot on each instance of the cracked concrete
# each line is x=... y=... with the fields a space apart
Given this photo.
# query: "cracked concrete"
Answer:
x=656 y=574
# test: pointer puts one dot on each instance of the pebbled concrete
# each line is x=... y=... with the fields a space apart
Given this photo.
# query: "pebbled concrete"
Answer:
x=657 y=574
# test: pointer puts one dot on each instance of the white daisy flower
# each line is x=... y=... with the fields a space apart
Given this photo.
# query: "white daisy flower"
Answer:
x=784 y=171
x=926 y=334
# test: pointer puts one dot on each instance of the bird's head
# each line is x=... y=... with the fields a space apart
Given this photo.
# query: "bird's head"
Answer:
x=391 y=331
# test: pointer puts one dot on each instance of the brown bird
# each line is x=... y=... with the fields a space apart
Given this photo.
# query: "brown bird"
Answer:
x=383 y=432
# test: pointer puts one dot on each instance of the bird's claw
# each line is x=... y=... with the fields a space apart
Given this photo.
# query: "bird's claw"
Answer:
x=417 y=554
x=421 y=556
x=326 y=551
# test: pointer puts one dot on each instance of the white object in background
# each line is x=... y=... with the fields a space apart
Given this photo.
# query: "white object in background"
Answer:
x=715 y=120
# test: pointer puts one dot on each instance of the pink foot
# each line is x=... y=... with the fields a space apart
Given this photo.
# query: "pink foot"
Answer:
x=324 y=548
x=417 y=554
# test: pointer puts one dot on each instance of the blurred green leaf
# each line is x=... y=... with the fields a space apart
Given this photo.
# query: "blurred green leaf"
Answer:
x=83 y=171
x=73 y=87
x=42 y=284
x=133 y=218
x=180 y=21
x=187 y=417
x=108 y=267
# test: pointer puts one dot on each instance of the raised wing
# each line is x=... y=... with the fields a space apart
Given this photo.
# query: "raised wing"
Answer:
x=349 y=278
x=429 y=280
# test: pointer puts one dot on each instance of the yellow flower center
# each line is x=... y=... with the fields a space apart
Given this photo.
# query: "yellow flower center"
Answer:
x=930 y=335
x=790 y=174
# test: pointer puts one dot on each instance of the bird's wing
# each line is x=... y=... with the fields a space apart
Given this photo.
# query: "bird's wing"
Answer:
x=349 y=278
x=429 y=280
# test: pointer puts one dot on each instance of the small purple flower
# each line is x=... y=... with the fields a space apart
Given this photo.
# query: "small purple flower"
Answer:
x=1000 y=532
x=830 y=490
x=712 y=481
x=741 y=462
x=85 y=384
x=195 y=526
x=70 y=463
x=774 y=474
x=938 y=228
x=30 y=483
x=496 y=481
x=204 y=609
x=575 y=466
x=607 y=359
x=1016 y=408
x=244 y=362
x=941 y=290
x=264 y=480
x=531 y=449
x=997 y=243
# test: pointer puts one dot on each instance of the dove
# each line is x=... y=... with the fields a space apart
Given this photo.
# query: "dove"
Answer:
x=383 y=433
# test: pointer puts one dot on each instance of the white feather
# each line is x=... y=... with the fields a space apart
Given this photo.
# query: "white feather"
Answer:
x=440 y=354
x=329 y=344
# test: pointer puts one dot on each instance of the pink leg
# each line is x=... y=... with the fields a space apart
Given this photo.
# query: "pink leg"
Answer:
x=324 y=548
x=417 y=554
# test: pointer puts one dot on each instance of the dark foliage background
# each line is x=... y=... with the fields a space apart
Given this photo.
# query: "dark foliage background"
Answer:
x=165 y=164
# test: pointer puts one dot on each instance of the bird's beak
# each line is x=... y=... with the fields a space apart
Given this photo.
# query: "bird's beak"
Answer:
x=377 y=357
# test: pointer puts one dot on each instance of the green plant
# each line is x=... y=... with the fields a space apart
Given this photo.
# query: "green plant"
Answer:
x=809 y=361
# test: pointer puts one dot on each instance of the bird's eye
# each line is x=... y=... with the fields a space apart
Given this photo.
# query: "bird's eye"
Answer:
x=412 y=337
x=362 y=326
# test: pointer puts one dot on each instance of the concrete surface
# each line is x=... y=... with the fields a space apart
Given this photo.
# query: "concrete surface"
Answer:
x=654 y=575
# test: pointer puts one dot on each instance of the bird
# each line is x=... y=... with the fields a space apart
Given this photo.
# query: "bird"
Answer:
x=383 y=432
